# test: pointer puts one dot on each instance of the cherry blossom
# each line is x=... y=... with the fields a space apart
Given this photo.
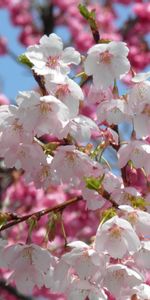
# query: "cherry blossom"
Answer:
x=142 y=256
x=55 y=139
x=46 y=114
x=84 y=260
x=138 y=97
x=50 y=58
x=117 y=238
x=141 y=77
x=81 y=289
x=66 y=90
x=139 y=219
x=121 y=276
x=77 y=164
x=113 y=111
x=93 y=199
x=80 y=128
x=141 y=291
x=137 y=152
x=30 y=265
x=106 y=62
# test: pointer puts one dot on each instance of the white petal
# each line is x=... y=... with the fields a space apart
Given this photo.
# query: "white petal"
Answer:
x=71 y=56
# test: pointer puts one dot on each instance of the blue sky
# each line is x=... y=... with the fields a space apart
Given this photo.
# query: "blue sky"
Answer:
x=15 y=77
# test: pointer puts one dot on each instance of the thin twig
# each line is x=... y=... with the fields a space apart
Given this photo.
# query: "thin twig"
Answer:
x=13 y=291
x=41 y=213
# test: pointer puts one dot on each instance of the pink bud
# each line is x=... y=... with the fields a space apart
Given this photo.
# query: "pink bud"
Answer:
x=4 y=99
x=3 y=46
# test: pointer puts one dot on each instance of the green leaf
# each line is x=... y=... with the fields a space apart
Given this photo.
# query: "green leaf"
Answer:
x=138 y=202
x=32 y=223
x=54 y=218
x=108 y=214
x=84 y=11
x=94 y=183
x=3 y=221
x=24 y=60
x=90 y=17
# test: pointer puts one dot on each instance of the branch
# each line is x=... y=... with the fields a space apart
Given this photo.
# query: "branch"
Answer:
x=41 y=213
x=13 y=291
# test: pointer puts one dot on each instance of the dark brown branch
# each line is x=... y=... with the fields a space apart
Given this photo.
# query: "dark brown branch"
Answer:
x=13 y=291
x=41 y=213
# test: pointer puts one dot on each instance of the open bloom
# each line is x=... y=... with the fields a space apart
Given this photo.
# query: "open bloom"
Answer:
x=136 y=151
x=80 y=128
x=66 y=90
x=141 y=257
x=71 y=165
x=106 y=62
x=114 y=111
x=119 y=277
x=117 y=238
x=50 y=58
x=139 y=219
x=31 y=265
x=82 y=289
x=42 y=115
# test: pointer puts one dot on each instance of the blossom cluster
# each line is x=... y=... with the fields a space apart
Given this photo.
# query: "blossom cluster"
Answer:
x=48 y=137
x=134 y=29
x=116 y=263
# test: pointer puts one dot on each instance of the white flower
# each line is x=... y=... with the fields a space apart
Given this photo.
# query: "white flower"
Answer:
x=80 y=128
x=82 y=289
x=30 y=265
x=42 y=115
x=85 y=261
x=139 y=219
x=141 y=257
x=113 y=111
x=119 y=277
x=93 y=199
x=138 y=97
x=141 y=77
x=50 y=58
x=136 y=151
x=71 y=165
x=141 y=291
x=117 y=238
x=3 y=244
x=106 y=62
x=66 y=90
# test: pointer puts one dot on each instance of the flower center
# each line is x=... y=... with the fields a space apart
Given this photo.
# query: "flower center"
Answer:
x=115 y=231
x=119 y=274
x=27 y=253
x=52 y=62
x=17 y=126
x=70 y=156
x=45 y=107
x=105 y=57
x=132 y=218
x=62 y=90
x=44 y=173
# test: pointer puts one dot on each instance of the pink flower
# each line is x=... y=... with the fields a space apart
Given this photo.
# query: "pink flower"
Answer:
x=117 y=238
x=4 y=99
x=71 y=165
x=50 y=58
x=118 y=278
x=66 y=90
x=42 y=115
x=136 y=151
x=3 y=46
x=140 y=220
x=30 y=265
x=106 y=62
